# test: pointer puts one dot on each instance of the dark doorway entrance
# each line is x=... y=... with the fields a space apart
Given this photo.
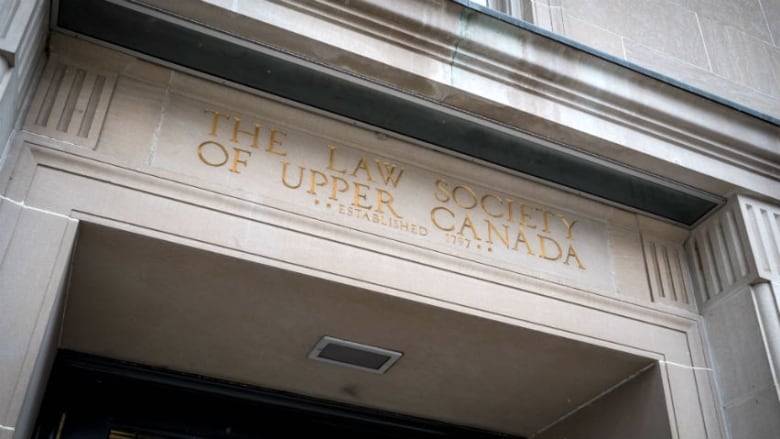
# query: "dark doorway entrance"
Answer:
x=94 y=397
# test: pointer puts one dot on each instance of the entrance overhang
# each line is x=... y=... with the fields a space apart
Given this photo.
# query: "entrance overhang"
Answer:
x=154 y=33
x=153 y=302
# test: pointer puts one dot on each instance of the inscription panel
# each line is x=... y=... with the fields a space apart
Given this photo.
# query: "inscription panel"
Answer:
x=334 y=180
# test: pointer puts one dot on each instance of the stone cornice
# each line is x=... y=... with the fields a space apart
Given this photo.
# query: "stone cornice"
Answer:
x=519 y=78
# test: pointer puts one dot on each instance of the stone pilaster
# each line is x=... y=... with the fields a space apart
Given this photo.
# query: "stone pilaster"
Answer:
x=23 y=29
x=735 y=257
x=30 y=240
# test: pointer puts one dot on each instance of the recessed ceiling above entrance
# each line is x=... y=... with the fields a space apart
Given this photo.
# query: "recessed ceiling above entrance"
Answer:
x=169 y=305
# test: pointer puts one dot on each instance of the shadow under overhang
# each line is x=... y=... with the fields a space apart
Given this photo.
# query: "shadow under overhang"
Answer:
x=172 y=39
x=165 y=304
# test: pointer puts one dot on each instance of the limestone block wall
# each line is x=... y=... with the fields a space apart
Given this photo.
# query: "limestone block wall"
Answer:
x=730 y=48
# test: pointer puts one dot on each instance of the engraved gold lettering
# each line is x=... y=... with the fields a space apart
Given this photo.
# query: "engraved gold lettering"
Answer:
x=524 y=217
x=436 y=222
x=225 y=154
x=543 y=248
x=467 y=223
x=336 y=187
x=284 y=175
x=487 y=211
x=545 y=219
x=516 y=217
x=363 y=164
x=332 y=159
x=273 y=141
x=573 y=253
x=492 y=228
x=237 y=130
x=387 y=171
x=509 y=207
x=472 y=203
x=521 y=238
x=215 y=121
x=237 y=159
x=359 y=195
x=444 y=194
x=385 y=199
x=323 y=180
x=568 y=226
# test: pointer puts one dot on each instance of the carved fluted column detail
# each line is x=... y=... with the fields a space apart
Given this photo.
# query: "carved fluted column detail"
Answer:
x=735 y=260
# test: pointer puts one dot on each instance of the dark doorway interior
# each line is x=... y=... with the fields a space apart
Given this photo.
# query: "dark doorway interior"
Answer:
x=94 y=397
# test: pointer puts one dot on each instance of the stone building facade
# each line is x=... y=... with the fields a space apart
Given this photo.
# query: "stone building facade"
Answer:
x=538 y=218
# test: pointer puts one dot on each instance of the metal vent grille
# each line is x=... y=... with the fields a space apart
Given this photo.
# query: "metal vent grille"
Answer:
x=355 y=355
